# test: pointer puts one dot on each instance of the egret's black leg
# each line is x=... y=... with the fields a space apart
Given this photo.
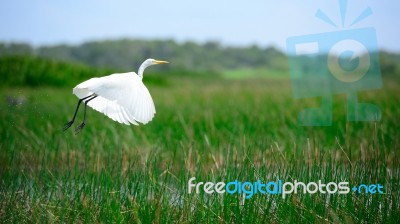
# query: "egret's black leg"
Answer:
x=79 y=128
x=67 y=125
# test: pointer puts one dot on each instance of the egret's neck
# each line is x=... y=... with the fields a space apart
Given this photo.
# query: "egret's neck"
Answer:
x=142 y=67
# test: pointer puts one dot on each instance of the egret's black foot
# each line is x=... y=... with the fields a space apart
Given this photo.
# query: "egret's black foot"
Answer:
x=79 y=128
x=67 y=125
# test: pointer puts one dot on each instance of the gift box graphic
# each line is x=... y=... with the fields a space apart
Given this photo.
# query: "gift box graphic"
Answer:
x=339 y=62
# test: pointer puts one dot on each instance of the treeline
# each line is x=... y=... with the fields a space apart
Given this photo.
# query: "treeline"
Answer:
x=126 y=54
x=26 y=70
x=64 y=65
x=34 y=71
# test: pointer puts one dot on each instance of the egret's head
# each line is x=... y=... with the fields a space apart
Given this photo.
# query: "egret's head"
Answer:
x=148 y=63
x=151 y=61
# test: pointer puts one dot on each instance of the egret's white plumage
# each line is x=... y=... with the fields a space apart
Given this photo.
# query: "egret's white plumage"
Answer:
x=122 y=97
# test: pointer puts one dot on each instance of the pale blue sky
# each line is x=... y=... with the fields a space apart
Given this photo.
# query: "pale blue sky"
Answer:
x=262 y=22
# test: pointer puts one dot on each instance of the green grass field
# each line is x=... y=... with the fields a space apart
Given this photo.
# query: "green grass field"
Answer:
x=212 y=129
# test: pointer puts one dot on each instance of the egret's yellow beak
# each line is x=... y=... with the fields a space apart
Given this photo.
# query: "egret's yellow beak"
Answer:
x=160 y=62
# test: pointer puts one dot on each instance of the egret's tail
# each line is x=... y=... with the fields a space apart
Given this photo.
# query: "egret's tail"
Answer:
x=82 y=90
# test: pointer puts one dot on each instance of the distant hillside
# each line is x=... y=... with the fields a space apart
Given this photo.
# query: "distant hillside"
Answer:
x=33 y=71
x=127 y=54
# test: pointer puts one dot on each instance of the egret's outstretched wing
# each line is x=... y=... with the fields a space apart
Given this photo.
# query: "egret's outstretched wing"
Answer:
x=122 y=97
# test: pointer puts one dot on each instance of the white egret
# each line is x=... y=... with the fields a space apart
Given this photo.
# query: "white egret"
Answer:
x=122 y=97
